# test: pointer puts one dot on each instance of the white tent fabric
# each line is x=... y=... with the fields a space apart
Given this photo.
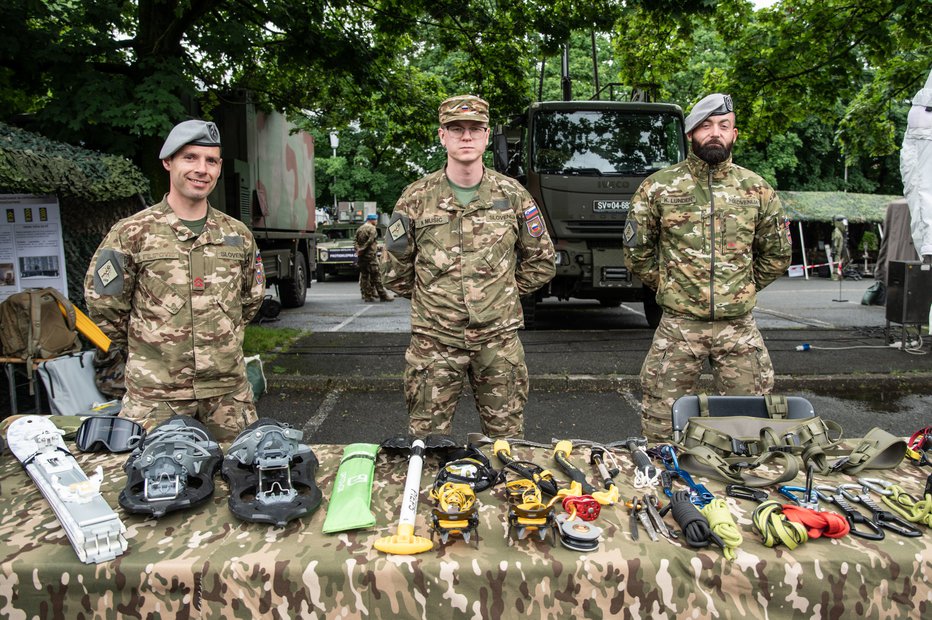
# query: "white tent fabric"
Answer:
x=916 y=168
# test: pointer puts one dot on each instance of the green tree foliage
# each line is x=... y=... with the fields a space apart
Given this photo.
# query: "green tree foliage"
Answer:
x=819 y=85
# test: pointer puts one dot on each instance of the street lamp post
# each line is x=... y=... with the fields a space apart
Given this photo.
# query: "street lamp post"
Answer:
x=334 y=143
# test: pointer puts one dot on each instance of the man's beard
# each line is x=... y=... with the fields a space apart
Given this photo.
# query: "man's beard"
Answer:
x=712 y=154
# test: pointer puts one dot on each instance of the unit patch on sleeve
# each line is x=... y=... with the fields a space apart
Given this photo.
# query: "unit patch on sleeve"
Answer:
x=533 y=221
x=630 y=234
x=260 y=269
x=396 y=230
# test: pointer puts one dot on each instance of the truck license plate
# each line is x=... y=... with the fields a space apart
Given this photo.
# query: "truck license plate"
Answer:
x=611 y=205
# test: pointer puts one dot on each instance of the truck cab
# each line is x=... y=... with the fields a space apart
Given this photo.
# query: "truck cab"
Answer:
x=582 y=161
x=336 y=251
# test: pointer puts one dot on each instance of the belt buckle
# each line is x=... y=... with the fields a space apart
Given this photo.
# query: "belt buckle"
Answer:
x=739 y=447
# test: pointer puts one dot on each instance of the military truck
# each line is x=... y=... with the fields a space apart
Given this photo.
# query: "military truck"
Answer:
x=336 y=252
x=582 y=162
x=268 y=183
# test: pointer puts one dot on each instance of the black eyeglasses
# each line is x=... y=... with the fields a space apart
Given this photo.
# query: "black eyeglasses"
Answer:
x=108 y=434
x=457 y=131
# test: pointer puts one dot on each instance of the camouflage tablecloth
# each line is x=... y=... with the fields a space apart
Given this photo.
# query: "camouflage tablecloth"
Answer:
x=206 y=563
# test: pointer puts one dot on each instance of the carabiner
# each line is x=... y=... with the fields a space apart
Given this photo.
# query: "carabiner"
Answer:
x=811 y=502
x=854 y=517
x=883 y=518
x=742 y=492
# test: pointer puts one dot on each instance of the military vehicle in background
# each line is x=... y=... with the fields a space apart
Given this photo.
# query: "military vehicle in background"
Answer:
x=268 y=183
x=582 y=161
x=336 y=253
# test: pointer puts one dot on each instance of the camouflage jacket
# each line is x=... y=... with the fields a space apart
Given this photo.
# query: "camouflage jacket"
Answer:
x=706 y=238
x=178 y=303
x=365 y=244
x=464 y=267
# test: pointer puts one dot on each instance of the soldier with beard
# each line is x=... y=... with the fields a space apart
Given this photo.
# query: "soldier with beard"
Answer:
x=706 y=235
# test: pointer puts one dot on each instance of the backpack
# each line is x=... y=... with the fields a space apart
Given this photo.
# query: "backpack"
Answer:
x=32 y=325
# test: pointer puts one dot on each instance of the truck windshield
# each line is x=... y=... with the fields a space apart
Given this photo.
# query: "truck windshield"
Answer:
x=604 y=142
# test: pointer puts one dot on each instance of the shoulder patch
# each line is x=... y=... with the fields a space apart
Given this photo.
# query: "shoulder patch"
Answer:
x=630 y=234
x=535 y=226
x=109 y=272
x=260 y=269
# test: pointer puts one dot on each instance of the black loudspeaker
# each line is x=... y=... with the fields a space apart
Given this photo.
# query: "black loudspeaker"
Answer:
x=909 y=292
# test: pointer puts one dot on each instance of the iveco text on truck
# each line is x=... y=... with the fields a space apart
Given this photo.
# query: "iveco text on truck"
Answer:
x=582 y=162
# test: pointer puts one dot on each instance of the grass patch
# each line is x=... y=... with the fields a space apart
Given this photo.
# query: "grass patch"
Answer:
x=268 y=340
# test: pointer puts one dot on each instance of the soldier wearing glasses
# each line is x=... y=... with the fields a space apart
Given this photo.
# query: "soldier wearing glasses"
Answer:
x=464 y=243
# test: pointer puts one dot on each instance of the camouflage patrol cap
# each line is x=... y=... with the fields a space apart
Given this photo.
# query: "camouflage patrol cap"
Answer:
x=464 y=108
x=715 y=104
x=201 y=133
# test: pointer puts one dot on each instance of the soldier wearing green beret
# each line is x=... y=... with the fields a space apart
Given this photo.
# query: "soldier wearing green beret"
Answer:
x=174 y=286
x=706 y=235
x=464 y=243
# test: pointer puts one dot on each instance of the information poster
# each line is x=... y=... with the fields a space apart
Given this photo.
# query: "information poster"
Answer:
x=32 y=254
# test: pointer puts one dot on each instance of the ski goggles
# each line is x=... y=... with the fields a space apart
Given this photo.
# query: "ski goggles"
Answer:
x=108 y=434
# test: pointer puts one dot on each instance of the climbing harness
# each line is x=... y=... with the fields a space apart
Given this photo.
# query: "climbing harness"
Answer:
x=919 y=445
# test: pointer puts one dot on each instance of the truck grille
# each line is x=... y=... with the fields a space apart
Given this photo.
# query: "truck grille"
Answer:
x=602 y=228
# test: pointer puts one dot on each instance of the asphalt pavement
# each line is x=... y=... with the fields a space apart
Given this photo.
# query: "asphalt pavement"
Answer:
x=341 y=381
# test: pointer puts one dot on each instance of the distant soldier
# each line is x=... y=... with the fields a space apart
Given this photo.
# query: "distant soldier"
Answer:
x=841 y=255
x=706 y=235
x=367 y=252
x=464 y=243
x=175 y=285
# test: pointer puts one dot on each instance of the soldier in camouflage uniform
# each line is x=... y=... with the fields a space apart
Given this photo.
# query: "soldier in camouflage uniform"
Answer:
x=464 y=243
x=706 y=235
x=175 y=285
x=370 y=280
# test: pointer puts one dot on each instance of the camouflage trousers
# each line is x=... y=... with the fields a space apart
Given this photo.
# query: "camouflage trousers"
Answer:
x=226 y=416
x=434 y=379
x=370 y=280
x=736 y=353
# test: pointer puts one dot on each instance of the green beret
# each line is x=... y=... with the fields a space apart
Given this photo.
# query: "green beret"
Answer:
x=716 y=104
x=201 y=133
x=464 y=108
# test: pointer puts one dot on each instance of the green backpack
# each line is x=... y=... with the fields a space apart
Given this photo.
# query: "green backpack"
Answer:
x=32 y=325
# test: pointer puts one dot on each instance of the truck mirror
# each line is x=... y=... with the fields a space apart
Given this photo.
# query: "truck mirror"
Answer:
x=500 y=150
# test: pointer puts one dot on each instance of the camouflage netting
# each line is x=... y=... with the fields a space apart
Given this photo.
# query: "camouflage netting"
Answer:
x=94 y=191
x=32 y=164
x=824 y=206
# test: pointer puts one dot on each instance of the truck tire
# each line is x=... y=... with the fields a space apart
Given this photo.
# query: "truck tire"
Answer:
x=292 y=291
x=321 y=274
x=653 y=312
x=529 y=307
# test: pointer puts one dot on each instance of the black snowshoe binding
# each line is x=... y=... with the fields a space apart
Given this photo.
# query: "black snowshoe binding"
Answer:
x=172 y=469
x=271 y=474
